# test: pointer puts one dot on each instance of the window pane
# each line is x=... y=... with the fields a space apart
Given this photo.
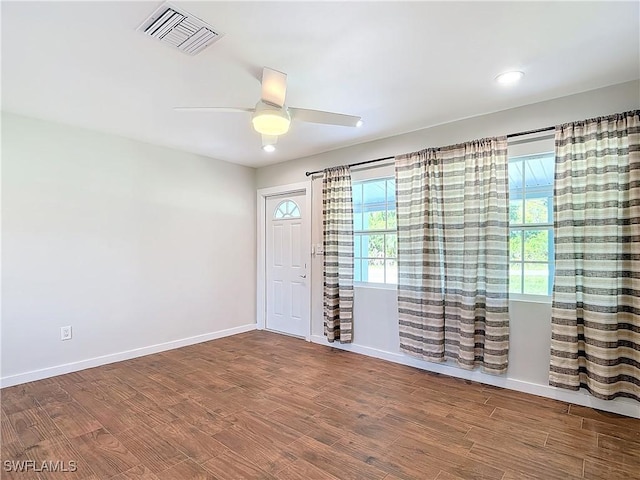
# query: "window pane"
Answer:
x=536 y=279
x=365 y=244
x=375 y=245
x=392 y=272
x=515 y=210
x=539 y=171
x=536 y=245
x=375 y=220
x=515 y=175
x=374 y=192
x=549 y=167
x=357 y=221
x=375 y=270
x=356 y=192
x=391 y=245
x=391 y=190
x=391 y=217
x=515 y=245
x=357 y=250
x=536 y=210
x=515 y=278
x=357 y=270
x=364 y=270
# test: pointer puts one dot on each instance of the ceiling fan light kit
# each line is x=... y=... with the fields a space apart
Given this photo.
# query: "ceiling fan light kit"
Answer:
x=270 y=120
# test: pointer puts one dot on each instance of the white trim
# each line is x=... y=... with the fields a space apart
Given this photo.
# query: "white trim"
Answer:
x=374 y=172
x=120 y=356
x=535 y=144
x=619 y=406
x=376 y=286
x=261 y=198
x=529 y=298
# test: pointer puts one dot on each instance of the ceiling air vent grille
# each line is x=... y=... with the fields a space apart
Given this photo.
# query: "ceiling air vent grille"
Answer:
x=179 y=29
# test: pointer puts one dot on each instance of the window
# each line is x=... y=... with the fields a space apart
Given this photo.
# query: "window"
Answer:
x=531 y=224
x=375 y=238
x=286 y=209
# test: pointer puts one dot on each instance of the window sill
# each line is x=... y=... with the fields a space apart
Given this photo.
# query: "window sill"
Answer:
x=376 y=286
x=512 y=298
x=519 y=297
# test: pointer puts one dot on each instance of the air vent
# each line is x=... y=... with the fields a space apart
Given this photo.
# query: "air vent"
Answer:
x=179 y=29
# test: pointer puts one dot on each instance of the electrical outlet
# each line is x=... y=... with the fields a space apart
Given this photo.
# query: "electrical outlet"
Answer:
x=65 y=333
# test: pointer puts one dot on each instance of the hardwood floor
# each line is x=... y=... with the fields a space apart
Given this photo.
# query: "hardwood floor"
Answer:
x=263 y=406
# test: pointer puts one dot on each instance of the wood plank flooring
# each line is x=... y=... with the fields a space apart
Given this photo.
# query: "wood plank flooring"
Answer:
x=264 y=406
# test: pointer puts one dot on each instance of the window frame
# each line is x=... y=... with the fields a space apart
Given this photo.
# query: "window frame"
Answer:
x=532 y=147
x=384 y=175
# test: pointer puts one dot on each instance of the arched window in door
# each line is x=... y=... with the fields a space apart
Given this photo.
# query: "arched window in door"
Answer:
x=286 y=209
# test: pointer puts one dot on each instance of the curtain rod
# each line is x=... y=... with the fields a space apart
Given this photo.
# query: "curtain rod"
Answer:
x=511 y=135
x=354 y=164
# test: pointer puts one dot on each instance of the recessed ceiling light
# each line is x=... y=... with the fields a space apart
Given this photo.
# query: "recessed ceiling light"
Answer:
x=269 y=148
x=359 y=123
x=509 y=78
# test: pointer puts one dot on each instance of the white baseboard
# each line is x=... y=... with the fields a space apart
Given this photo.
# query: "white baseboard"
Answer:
x=622 y=406
x=118 y=357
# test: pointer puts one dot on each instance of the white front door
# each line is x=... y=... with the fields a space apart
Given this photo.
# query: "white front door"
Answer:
x=287 y=261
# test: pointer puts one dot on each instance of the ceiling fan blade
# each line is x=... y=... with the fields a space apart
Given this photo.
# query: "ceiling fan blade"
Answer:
x=214 y=109
x=328 y=118
x=269 y=140
x=274 y=86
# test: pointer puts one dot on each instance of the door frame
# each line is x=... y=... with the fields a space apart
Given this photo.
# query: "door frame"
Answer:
x=261 y=285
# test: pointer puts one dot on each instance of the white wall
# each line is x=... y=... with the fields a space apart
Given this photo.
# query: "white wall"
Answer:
x=375 y=309
x=139 y=248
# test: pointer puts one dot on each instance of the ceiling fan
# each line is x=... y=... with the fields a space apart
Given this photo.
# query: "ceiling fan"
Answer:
x=272 y=118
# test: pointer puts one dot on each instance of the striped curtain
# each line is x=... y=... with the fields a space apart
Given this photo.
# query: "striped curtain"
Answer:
x=452 y=210
x=595 y=312
x=337 y=221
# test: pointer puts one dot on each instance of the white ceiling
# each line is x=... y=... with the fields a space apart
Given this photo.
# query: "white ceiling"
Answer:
x=401 y=66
